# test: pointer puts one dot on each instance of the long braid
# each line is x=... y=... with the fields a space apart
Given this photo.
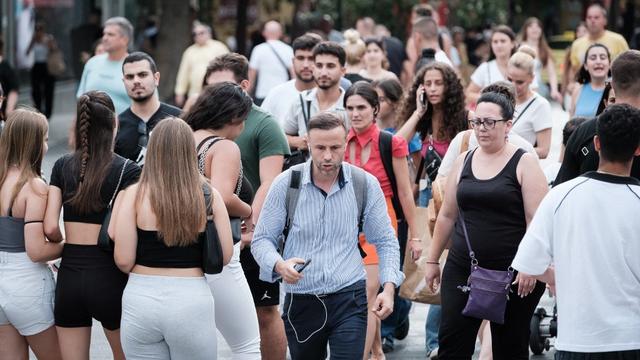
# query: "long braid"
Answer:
x=84 y=122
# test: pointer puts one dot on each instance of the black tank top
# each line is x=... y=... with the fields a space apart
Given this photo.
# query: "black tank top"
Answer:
x=494 y=215
x=152 y=252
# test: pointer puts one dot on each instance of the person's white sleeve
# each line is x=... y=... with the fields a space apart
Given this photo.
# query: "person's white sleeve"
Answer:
x=535 y=252
x=441 y=56
x=290 y=123
x=182 y=78
x=523 y=144
x=479 y=76
x=289 y=58
x=543 y=118
x=450 y=156
x=254 y=61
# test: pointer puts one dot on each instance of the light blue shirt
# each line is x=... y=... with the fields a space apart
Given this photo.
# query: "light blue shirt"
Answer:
x=325 y=230
x=100 y=73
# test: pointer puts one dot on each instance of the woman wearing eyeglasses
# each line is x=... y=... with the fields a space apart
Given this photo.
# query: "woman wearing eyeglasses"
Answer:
x=498 y=187
x=532 y=118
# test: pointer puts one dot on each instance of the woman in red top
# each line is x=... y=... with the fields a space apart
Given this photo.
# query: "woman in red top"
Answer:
x=363 y=150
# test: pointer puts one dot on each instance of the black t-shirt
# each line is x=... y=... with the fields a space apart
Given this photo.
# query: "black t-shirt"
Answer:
x=580 y=155
x=8 y=80
x=128 y=135
x=396 y=54
x=65 y=176
x=354 y=78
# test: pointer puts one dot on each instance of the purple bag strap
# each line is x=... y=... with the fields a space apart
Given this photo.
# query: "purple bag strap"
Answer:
x=472 y=255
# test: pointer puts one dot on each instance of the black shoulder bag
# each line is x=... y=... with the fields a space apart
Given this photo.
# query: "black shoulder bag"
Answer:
x=212 y=259
x=104 y=241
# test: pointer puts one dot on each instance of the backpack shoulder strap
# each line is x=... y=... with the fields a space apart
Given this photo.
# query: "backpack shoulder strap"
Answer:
x=291 y=201
x=465 y=141
x=359 y=181
x=385 y=145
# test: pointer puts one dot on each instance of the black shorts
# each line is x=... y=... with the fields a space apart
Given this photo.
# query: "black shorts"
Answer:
x=90 y=285
x=264 y=293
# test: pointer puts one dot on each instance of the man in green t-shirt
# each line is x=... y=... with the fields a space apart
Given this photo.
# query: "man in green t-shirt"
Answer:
x=263 y=146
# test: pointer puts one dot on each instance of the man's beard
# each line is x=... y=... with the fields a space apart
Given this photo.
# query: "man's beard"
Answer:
x=142 y=98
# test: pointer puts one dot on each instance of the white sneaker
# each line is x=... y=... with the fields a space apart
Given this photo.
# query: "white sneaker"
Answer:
x=433 y=354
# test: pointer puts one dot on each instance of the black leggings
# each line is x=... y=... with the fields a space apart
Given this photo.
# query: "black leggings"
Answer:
x=457 y=338
x=42 y=86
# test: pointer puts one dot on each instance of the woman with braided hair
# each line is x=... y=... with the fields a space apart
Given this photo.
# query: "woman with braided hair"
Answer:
x=86 y=182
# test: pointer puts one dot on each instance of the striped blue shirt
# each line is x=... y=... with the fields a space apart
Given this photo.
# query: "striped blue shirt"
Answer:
x=325 y=230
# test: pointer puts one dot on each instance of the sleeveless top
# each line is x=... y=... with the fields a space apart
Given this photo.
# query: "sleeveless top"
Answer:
x=494 y=216
x=588 y=101
x=151 y=251
x=244 y=190
x=11 y=233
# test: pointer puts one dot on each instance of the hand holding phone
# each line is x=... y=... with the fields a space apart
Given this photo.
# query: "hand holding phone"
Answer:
x=301 y=267
x=421 y=100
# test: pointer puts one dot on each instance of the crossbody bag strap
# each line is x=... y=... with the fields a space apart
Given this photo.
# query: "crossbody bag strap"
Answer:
x=286 y=68
x=124 y=166
x=523 y=110
x=472 y=255
x=305 y=114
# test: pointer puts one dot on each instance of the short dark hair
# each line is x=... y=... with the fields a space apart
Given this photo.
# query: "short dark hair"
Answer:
x=365 y=90
x=219 y=105
x=500 y=99
x=140 y=56
x=306 y=42
x=618 y=129
x=625 y=72
x=330 y=48
x=570 y=127
x=234 y=62
x=583 y=75
x=391 y=88
x=325 y=121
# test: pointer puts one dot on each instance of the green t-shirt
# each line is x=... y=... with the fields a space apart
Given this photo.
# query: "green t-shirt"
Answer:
x=260 y=138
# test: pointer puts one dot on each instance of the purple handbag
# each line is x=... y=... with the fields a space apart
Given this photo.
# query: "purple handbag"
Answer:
x=488 y=289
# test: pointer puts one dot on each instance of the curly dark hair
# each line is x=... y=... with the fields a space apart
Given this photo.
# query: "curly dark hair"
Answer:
x=455 y=114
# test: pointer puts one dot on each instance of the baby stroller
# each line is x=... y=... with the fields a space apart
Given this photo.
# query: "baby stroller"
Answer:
x=543 y=328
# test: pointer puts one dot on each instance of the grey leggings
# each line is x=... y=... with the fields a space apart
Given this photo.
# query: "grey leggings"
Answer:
x=166 y=317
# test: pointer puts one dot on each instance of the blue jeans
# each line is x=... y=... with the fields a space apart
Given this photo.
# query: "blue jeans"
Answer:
x=432 y=326
x=344 y=330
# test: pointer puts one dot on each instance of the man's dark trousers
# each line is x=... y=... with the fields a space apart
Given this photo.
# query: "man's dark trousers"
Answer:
x=345 y=329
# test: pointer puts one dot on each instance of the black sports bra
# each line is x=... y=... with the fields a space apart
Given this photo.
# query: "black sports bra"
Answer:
x=152 y=252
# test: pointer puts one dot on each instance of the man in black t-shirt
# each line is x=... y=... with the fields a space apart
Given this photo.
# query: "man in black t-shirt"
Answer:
x=580 y=155
x=141 y=78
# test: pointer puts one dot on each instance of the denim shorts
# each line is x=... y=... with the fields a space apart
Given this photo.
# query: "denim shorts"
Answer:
x=26 y=294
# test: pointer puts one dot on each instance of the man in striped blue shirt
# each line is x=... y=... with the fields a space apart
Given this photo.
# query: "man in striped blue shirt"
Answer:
x=326 y=303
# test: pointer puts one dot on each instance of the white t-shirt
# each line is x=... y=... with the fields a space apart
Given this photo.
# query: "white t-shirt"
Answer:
x=486 y=74
x=588 y=228
x=536 y=117
x=441 y=56
x=271 y=71
x=456 y=144
x=279 y=100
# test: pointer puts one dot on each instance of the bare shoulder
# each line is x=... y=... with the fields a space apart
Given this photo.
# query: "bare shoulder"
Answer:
x=37 y=186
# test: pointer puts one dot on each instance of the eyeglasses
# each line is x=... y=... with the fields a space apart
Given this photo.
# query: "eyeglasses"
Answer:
x=196 y=33
x=143 y=137
x=486 y=122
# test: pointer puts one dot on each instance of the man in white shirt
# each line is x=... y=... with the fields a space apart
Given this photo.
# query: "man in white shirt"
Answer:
x=588 y=229
x=279 y=99
x=425 y=35
x=270 y=63
x=329 y=60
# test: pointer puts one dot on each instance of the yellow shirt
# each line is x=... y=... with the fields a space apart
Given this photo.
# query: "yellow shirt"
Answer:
x=193 y=66
x=613 y=41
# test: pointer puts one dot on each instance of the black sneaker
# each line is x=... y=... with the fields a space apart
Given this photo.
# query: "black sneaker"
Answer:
x=387 y=345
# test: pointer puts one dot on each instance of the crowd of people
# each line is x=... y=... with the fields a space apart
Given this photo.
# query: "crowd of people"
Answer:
x=306 y=166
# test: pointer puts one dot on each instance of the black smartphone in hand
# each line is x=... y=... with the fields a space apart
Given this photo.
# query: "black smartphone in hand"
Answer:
x=301 y=267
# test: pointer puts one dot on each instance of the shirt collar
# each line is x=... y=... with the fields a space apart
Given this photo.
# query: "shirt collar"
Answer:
x=372 y=133
x=614 y=179
x=312 y=95
x=344 y=176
